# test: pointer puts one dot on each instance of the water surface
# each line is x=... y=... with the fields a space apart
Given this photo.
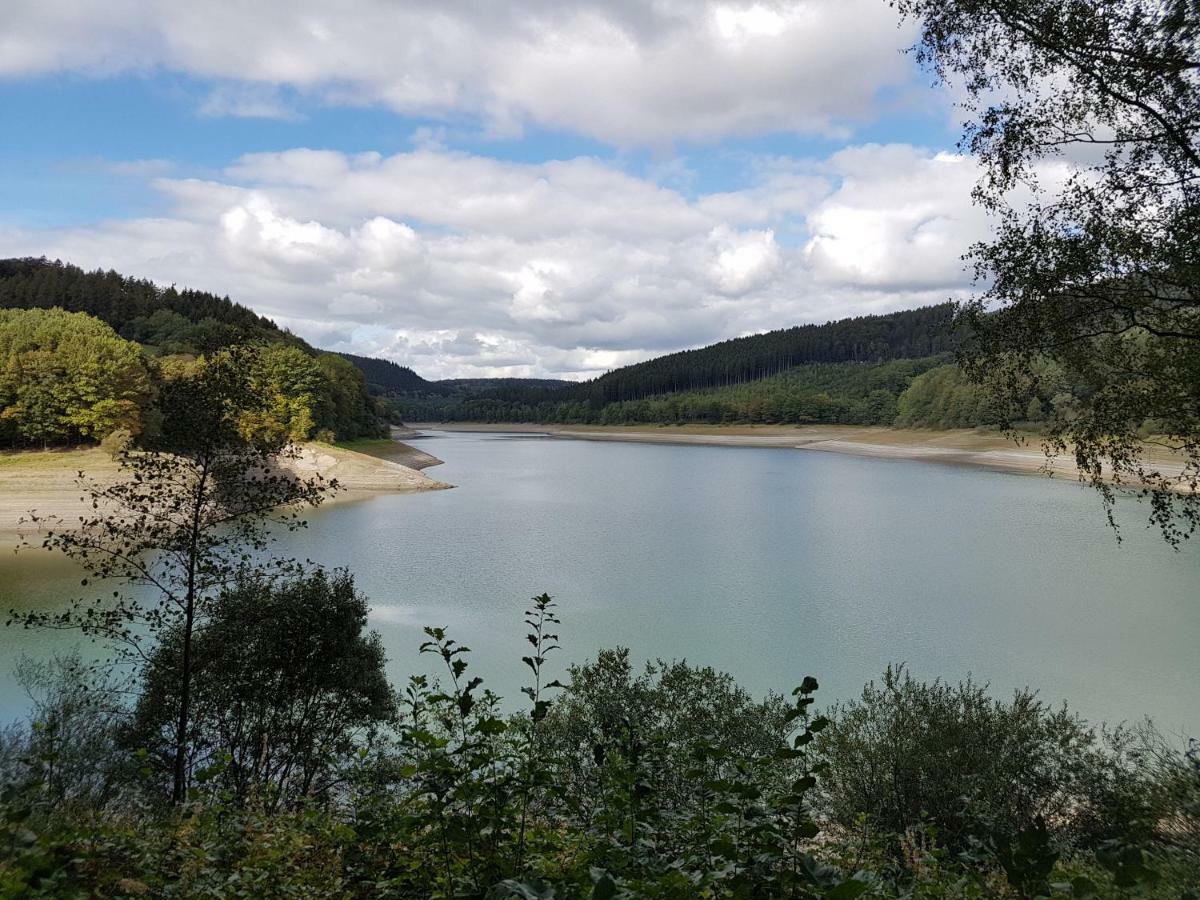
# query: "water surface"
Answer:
x=767 y=563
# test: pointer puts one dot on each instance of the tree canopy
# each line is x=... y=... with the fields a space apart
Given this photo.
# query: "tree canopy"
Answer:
x=1085 y=117
x=66 y=377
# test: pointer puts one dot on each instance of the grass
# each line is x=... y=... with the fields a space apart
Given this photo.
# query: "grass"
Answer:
x=70 y=457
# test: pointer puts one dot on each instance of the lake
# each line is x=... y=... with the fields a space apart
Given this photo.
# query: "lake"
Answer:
x=767 y=563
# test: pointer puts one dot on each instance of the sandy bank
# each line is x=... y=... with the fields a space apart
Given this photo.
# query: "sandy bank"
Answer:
x=985 y=449
x=46 y=481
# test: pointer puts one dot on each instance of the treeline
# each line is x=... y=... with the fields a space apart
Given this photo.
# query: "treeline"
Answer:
x=386 y=377
x=166 y=320
x=910 y=334
x=931 y=392
x=83 y=354
x=68 y=378
x=852 y=371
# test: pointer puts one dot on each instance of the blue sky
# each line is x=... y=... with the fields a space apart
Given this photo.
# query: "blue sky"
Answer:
x=533 y=189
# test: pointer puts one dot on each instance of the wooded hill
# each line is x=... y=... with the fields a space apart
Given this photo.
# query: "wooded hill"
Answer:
x=83 y=355
x=868 y=370
x=167 y=320
x=386 y=377
x=912 y=334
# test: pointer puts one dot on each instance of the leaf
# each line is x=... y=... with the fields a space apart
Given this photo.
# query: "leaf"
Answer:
x=604 y=887
x=848 y=890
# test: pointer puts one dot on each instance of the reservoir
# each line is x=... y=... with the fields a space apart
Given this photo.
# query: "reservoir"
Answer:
x=767 y=563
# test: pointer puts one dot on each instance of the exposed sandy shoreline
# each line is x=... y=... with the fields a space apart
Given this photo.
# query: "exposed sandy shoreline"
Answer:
x=45 y=482
x=984 y=449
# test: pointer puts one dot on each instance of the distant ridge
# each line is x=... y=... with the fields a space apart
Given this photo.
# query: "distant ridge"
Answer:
x=910 y=334
x=386 y=377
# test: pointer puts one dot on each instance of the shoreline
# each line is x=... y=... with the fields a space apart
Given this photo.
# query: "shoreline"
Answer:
x=45 y=481
x=960 y=447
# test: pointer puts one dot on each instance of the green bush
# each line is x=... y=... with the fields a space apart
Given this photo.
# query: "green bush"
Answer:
x=287 y=685
x=911 y=754
x=670 y=782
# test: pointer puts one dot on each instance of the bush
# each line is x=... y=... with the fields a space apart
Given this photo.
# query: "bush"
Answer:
x=116 y=442
x=668 y=711
x=670 y=782
x=67 y=747
x=910 y=754
x=287 y=686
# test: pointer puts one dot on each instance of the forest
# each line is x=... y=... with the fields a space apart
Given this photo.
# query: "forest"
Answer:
x=852 y=371
x=869 y=370
x=85 y=355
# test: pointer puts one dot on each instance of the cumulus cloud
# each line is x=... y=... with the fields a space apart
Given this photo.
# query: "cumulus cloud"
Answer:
x=900 y=219
x=463 y=266
x=627 y=72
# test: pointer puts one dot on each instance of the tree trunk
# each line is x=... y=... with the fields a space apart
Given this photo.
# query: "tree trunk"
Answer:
x=179 y=780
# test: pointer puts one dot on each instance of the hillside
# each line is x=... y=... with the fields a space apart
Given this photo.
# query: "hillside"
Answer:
x=911 y=334
x=386 y=377
x=853 y=371
x=168 y=320
x=83 y=354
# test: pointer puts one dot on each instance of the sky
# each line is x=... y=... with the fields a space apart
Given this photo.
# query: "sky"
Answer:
x=547 y=188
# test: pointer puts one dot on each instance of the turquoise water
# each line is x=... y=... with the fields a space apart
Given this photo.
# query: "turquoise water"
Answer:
x=767 y=563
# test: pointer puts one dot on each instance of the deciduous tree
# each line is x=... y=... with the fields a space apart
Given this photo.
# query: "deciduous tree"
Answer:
x=1085 y=118
x=189 y=517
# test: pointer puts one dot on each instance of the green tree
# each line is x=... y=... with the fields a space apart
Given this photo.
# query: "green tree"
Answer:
x=67 y=377
x=346 y=409
x=286 y=681
x=1098 y=272
x=189 y=519
x=291 y=386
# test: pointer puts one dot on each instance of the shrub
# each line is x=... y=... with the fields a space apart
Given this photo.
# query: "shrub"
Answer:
x=908 y=754
x=116 y=442
x=668 y=709
x=287 y=685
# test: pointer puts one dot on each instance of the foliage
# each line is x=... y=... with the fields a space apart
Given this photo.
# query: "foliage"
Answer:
x=669 y=709
x=846 y=371
x=853 y=393
x=311 y=394
x=286 y=685
x=1094 y=265
x=66 y=378
x=171 y=320
x=670 y=783
x=945 y=398
x=500 y=808
x=344 y=407
x=181 y=526
x=911 y=334
x=910 y=754
x=70 y=748
x=387 y=377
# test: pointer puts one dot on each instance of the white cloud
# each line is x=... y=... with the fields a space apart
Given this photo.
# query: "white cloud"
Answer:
x=901 y=219
x=742 y=261
x=628 y=72
x=463 y=266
